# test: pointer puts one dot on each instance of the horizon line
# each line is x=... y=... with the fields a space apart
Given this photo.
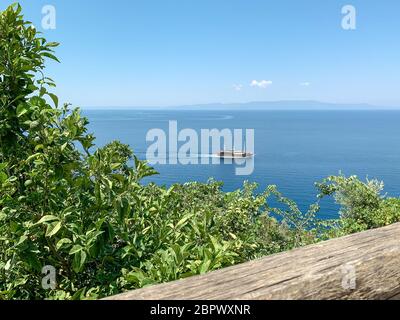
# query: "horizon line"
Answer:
x=315 y=104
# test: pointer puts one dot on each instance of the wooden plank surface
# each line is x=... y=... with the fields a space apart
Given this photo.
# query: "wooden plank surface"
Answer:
x=328 y=270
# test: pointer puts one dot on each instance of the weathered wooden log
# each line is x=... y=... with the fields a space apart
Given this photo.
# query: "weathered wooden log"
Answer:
x=360 y=266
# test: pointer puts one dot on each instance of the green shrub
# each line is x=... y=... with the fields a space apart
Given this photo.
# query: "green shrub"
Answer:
x=363 y=206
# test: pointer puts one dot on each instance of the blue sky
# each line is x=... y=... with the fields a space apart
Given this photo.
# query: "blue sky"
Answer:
x=174 y=52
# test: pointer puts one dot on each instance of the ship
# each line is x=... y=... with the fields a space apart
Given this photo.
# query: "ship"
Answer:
x=233 y=154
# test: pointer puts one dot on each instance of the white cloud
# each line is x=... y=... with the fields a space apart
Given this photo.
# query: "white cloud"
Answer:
x=305 y=84
x=237 y=87
x=261 y=84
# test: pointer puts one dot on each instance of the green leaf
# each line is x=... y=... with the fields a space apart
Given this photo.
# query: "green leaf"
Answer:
x=39 y=147
x=183 y=220
x=3 y=177
x=79 y=260
x=52 y=44
x=47 y=218
x=76 y=248
x=27 y=183
x=21 y=110
x=51 y=56
x=33 y=156
x=21 y=240
x=54 y=98
x=115 y=166
x=53 y=228
x=82 y=258
x=204 y=266
x=8 y=265
x=62 y=242
x=42 y=91
x=79 y=295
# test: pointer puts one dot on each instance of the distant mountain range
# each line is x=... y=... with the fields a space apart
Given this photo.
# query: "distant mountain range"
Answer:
x=283 y=105
x=266 y=105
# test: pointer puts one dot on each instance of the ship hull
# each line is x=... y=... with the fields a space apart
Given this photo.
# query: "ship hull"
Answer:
x=234 y=155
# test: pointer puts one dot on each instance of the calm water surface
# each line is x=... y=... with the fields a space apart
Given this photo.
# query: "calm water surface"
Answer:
x=293 y=148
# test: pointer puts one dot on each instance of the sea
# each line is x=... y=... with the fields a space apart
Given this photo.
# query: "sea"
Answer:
x=293 y=148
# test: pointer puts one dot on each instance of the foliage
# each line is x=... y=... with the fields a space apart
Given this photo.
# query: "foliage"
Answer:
x=83 y=210
x=363 y=206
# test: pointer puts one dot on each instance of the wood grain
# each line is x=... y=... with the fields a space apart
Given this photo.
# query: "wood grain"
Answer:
x=319 y=271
